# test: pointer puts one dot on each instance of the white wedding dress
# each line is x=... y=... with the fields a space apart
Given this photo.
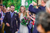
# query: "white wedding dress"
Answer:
x=23 y=29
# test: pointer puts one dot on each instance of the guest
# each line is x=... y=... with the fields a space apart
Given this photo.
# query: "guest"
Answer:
x=1 y=17
x=4 y=12
x=33 y=18
x=39 y=9
x=8 y=9
x=11 y=21
x=43 y=22
x=31 y=23
x=0 y=21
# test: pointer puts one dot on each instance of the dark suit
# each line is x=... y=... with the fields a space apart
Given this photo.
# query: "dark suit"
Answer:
x=0 y=17
x=0 y=23
x=14 y=22
x=34 y=10
x=0 y=29
x=35 y=29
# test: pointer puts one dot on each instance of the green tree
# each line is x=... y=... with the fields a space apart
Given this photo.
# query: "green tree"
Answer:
x=16 y=3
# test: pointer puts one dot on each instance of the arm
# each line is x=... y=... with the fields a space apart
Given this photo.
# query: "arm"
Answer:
x=33 y=10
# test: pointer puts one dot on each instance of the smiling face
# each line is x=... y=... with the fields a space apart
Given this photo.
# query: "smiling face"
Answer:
x=22 y=9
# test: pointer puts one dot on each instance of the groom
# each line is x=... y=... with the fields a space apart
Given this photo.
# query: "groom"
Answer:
x=11 y=21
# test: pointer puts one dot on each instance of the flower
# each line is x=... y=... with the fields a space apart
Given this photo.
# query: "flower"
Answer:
x=24 y=21
x=25 y=18
x=15 y=14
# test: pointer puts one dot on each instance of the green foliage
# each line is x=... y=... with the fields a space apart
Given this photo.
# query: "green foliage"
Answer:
x=35 y=1
x=29 y=2
x=16 y=3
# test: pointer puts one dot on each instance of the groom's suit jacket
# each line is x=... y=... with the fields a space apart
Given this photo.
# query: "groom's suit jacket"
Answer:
x=14 y=21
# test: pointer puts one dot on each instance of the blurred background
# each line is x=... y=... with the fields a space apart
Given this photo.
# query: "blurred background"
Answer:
x=17 y=3
x=27 y=10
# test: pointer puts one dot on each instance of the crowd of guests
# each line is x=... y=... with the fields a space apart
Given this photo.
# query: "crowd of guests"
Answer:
x=34 y=20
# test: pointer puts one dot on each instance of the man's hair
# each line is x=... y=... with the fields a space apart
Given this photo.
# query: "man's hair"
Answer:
x=12 y=5
x=43 y=18
x=1 y=5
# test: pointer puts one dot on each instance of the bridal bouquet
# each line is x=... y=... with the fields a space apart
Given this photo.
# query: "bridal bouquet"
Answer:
x=24 y=21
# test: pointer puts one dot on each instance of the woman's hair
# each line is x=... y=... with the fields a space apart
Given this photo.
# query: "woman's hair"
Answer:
x=24 y=13
x=43 y=18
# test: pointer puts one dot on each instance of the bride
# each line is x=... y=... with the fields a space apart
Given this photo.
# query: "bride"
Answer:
x=22 y=14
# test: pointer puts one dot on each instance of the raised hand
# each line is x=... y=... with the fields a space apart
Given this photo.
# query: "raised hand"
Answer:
x=34 y=3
